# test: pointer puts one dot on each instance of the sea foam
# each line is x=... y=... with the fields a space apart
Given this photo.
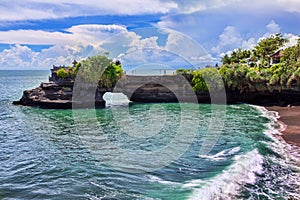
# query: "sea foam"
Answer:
x=222 y=155
x=289 y=154
x=228 y=184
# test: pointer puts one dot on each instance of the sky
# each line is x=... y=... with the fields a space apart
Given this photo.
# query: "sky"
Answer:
x=36 y=34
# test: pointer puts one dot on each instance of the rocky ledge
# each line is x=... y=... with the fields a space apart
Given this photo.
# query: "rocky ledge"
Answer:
x=56 y=94
x=51 y=95
x=47 y=95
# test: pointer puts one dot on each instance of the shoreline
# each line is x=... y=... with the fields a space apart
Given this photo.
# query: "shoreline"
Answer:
x=290 y=117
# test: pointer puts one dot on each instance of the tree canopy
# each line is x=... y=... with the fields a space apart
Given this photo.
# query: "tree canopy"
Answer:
x=97 y=69
x=251 y=70
x=259 y=55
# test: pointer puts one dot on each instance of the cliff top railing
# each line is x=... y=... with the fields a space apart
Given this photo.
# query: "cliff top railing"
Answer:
x=150 y=72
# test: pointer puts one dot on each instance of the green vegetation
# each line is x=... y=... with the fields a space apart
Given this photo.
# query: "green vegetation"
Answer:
x=96 y=70
x=252 y=70
x=267 y=47
x=69 y=72
x=62 y=73
x=207 y=79
x=259 y=55
x=184 y=71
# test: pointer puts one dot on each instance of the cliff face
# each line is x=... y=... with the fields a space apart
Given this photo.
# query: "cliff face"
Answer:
x=275 y=98
x=58 y=93
x=47 y=95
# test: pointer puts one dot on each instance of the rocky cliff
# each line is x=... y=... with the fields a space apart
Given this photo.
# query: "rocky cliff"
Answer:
x=56 y=94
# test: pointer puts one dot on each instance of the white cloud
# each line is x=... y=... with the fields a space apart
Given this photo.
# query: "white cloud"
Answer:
x=49 y=9
x=193 y=6
x=22 y=10
x=273 y=28
x=52 y=9
x=133 y=50
x=231 y=39
x=239 y=13
x=95 y=33
x=136 y=50
x=293 y=39
x=20 y=56
x=146 y=43
x=82 y=41
x=185 y=47
x=17 y=55
x=249 y=44
x=77 y=43
x=290 y=5
x=86 y=34
x=35 y=37
x=228 y=40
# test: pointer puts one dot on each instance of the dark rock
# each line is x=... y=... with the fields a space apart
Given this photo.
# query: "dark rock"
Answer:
x=56 y=94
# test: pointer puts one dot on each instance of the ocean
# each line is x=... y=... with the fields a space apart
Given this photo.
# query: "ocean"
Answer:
x=119 y=152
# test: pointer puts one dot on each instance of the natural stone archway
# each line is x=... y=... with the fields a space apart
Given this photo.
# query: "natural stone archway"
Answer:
x=154 y=89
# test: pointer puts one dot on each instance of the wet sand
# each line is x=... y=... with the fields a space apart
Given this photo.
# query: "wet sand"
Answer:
x=291 y=117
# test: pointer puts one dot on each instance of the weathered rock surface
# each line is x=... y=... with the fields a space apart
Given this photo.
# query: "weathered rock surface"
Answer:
x=57 y=94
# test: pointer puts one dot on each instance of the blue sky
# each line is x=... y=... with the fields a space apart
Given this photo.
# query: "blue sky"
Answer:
x=35 y=34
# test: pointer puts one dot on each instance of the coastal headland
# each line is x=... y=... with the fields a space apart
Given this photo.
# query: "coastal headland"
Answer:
x=58 y=92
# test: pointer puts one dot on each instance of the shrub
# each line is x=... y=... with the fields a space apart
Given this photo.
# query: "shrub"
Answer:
x=62 y=73
x=207 y=79
x=184 y=71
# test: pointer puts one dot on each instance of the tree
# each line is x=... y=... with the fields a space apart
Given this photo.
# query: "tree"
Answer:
x=226 y=60
x=291 y=55
x=239 y=75
x=100 y=70
x=268 y=46
x=237 y=56
x=111 y=75
x=294 y=79
x=198 y=81
x=257 y=80
x=207 y=79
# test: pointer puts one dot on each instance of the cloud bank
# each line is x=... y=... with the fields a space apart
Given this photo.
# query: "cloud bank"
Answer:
x=217 y=25
x=53 y=9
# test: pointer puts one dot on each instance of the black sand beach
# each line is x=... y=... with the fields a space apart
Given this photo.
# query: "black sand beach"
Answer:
x=291 y=117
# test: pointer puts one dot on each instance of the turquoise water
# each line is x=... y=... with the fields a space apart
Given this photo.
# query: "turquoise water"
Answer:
x=48 y=154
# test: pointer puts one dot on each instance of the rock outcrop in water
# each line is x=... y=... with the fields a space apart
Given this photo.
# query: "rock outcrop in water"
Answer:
x=58 y=93
x=55 y=94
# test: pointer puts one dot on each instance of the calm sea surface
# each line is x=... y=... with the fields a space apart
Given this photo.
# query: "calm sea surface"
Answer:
x=52 y=154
